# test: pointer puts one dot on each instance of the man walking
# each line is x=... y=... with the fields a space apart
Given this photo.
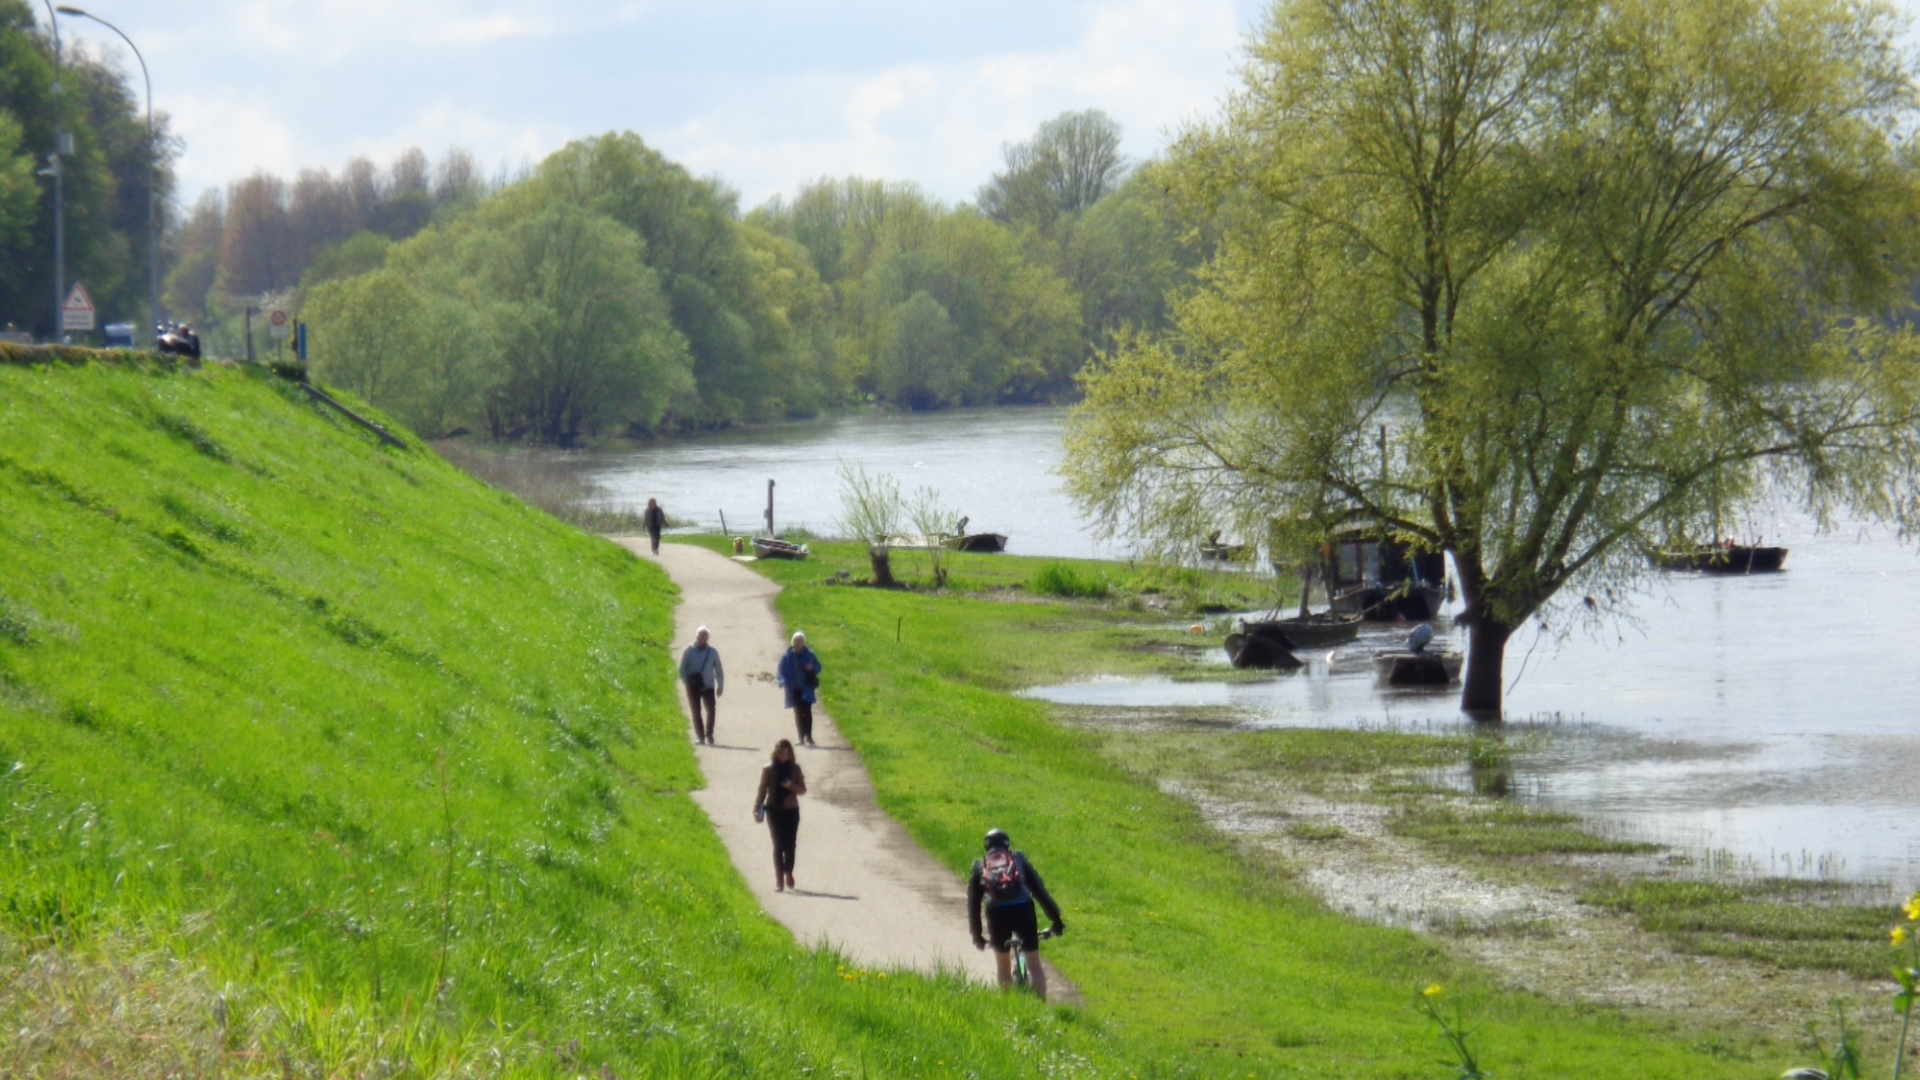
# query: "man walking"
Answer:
x=656 y=521
x=706 y=680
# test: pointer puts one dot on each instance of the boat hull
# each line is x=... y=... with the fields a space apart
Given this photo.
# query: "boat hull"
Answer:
x=1403 y=668
x=1260 y=651
x=1738 y=559
x=767 y=548
x=983 y=542
x=1322 y=628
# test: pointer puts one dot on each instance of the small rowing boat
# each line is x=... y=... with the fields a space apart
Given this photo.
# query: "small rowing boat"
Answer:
x=766 y=547
x=1405 y=667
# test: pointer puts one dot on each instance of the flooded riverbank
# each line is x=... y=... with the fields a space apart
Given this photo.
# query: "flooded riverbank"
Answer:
x=1766 y=722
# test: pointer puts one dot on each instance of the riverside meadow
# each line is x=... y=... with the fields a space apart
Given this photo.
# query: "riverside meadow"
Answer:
x=338 y=762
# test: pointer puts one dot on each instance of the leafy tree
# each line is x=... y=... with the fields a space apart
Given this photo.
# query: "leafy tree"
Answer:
x=578 y=324
x=362 y=253
x=114 y=109
x=420 y=353
x=18 y=191
x=1126 y=256
x=1540 y=283
x=693 y=241
x=1071 y=163
x=916 y=362
x=104 y=179
x=196 y=260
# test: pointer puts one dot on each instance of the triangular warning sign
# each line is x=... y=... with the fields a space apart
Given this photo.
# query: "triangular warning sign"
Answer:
x=77 y=312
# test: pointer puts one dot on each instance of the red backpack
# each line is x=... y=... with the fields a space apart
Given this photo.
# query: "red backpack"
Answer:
x=1000 y=873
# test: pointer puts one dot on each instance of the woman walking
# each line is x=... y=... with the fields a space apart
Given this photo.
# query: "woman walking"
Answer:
x=800 y=674
x=778 y=804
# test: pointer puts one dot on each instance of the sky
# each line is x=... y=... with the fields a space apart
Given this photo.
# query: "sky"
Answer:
x=765 y=94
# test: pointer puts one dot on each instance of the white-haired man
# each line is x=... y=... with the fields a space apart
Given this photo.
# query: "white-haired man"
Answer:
x=706 y=680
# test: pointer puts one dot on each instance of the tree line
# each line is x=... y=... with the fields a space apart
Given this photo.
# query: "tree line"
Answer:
x=609 y=291
x=104 y=180
x=606 y=290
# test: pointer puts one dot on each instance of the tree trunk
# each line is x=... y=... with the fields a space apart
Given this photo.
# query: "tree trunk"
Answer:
x=1486 y=656
x=882 y=560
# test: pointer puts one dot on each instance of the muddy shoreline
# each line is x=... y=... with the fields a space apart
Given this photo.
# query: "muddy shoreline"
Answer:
x=1342 y=835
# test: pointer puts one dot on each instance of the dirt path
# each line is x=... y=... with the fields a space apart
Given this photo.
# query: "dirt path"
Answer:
x=865 y=886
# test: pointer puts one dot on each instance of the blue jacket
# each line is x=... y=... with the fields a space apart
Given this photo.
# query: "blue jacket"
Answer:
x=792 y=675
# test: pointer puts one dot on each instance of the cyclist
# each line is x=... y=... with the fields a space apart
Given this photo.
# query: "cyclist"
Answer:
x=1006 y=884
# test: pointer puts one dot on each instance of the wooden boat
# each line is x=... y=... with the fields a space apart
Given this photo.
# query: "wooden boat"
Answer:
x=1213 y=549
x=1404 y=667
x=766 y=547
x=1312 y=631
x=1265 y=650
x=1723 y=559
x=1381 y=580
x=988 y=542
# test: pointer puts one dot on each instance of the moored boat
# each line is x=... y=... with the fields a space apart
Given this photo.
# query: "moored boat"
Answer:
x=766 y=547
x=1312 y=631
x=1383 y=580
x=1405 y=667
x=1261 y=650
x=1214 y=549
x=987 y=542
x=1723 y=559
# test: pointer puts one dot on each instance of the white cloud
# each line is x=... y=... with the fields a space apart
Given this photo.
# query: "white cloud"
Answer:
x=230 y=140
x=766 y=93
x=1152 y=64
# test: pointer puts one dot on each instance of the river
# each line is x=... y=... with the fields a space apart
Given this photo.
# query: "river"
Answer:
x=1767 y=723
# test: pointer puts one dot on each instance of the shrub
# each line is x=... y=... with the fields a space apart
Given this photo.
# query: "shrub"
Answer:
x=1059 y=579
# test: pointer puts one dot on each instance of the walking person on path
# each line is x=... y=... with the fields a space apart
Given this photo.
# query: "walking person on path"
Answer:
x=1008 y=885
x=656 y=520
x=706 y=680
x=799 y=673
x=778 y=804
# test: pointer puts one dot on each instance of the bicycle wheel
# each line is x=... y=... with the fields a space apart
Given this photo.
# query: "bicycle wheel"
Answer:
x=1022 y=979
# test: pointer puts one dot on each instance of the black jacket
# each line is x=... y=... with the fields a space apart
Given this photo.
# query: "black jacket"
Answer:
x=977 y=893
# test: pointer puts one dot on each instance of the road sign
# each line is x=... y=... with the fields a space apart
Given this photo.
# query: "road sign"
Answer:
x=77 y=312
x=277 y=328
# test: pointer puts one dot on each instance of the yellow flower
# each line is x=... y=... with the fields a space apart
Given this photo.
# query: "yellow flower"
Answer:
x=1913 y=908
x=1899 y=935
x=1432 y=991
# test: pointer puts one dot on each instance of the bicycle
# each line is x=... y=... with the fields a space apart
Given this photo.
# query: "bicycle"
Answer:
x=1022 y=978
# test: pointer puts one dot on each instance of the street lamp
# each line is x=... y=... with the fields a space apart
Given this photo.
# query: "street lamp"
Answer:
x=61 y=145
x=153 y=154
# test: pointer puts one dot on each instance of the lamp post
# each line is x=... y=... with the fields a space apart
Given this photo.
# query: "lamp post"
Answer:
x=61 y=145
x=153 y=154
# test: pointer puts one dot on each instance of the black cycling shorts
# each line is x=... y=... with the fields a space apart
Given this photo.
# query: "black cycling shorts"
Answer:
x=1009 y=919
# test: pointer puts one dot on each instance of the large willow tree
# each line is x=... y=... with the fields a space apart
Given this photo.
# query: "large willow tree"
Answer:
x=1540 y=283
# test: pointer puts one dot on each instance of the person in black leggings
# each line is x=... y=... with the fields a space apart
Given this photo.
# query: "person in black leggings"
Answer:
x=778 y=804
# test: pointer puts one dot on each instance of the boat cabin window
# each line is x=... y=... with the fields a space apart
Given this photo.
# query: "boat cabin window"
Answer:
x=1359 y=561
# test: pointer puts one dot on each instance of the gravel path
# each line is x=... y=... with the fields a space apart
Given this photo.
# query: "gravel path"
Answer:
x=864 y=886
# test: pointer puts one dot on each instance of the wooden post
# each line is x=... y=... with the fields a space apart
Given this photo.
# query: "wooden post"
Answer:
x=770 y=532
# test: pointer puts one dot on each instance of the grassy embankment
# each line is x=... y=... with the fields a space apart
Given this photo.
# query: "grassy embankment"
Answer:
x=322 y=759
x=1177 y=936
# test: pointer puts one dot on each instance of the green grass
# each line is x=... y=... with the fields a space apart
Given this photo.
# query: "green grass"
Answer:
x=390 y=766
x=1787 y=924
x=1140 y=588
x=1177 y=941
x=1059 y=579
x=1505 y=830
